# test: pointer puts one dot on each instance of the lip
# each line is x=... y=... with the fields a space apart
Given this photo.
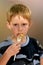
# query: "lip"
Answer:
x=19 y=34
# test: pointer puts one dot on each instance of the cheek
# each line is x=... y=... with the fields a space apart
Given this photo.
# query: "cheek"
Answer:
x=14 y=31
x=25 y=30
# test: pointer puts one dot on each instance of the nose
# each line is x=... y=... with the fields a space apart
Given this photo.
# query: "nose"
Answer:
x=19 y=28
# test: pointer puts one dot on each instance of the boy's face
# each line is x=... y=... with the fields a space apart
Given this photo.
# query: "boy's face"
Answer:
x=19 y=25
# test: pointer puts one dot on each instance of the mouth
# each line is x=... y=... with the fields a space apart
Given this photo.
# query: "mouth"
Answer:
x=19 y=34
x=20 y=37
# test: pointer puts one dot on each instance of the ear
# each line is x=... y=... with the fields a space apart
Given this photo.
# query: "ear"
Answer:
x=8 y=25
x=30 y=23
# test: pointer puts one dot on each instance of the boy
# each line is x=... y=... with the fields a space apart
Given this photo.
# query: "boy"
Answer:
x=26 y=50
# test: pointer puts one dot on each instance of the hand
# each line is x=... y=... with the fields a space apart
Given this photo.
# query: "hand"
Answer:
x=13 y=49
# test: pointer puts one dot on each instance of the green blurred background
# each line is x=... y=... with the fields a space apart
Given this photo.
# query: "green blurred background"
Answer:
x=36 y=7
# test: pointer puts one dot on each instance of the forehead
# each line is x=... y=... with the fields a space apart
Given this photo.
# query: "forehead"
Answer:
x=19 y=19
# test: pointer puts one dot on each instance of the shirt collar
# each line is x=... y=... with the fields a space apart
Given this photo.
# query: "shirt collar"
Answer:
x=24 y=44
x=27 y=41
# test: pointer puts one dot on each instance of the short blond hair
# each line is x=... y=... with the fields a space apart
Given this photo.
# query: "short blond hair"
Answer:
x=19 y=9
